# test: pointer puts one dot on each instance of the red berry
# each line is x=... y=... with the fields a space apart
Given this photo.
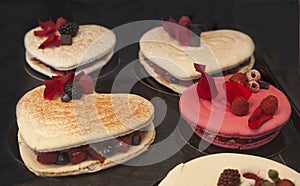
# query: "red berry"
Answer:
x=77 y=155
x=87 y=84
x=239 y=78
x=125 y=139
x=239 y=106
x=93 y=154
x=47 y=157
x=269 y=105
x=185 y=21
x=229 y=177
x=285 y=182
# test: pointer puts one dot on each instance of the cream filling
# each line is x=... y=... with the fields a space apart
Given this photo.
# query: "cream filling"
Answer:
x=235 y=140
x=100 y=147
x=47 y=70
x=88 y=166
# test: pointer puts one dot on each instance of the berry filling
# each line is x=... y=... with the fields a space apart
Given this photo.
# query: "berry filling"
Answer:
x=233 y=140
x=167 y=76
x=237 y=68
x=97 y=151
x=64 y=72
x=171 y=79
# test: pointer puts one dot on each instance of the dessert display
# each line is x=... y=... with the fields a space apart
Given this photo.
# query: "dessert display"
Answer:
x=168 y=52
x=65 y=128
x=55 y=48
x=237 y=112
x=230 y=169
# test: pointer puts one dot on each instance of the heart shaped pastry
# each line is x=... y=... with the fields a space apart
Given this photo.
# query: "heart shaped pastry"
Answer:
x=91 y=49
x=81 y=136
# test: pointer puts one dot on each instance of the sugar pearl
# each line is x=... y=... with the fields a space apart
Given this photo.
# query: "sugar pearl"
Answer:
x=254 y=86
x=253 y=75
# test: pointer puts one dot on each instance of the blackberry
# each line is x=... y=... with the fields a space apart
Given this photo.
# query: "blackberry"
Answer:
x=196 y=28
x=229 y=177
x=68 y=89
x=73 y=90
x=69 y=28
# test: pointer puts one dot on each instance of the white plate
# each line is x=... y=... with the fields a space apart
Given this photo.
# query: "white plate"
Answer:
x=205 y=171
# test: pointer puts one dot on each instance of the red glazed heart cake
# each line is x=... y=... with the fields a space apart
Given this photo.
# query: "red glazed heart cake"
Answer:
x=215 y=120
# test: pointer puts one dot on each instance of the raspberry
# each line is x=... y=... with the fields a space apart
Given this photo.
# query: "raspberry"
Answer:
x=185 y=21
x=77 y=155
x=87 y=84
x=269 y=105
x=239 y=106
x=47 y=157
x=126 y=139
x=285 y=182
x=229 y=177
x=239 y=78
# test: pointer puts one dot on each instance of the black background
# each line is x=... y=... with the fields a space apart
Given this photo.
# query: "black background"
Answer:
x=273 y=25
